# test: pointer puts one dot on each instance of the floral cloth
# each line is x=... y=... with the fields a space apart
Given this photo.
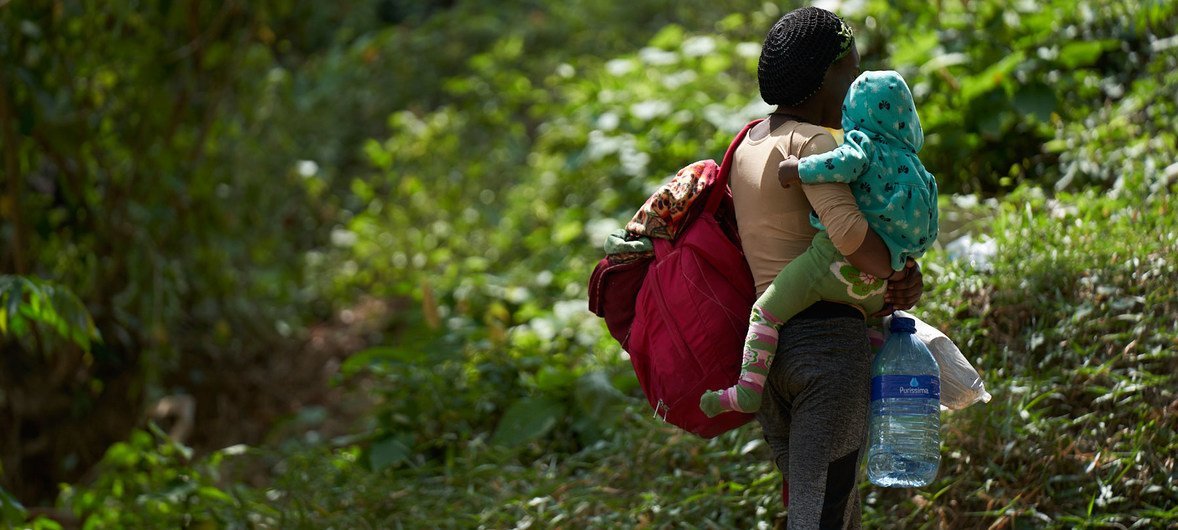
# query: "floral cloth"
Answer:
x=668 y=209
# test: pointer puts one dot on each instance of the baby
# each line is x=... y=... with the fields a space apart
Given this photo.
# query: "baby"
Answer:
x=897 y=196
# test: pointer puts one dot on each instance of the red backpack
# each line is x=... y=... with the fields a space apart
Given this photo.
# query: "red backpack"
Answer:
x=682 y=314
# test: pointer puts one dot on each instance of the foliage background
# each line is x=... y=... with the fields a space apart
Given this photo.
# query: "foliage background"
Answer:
x=357 y=234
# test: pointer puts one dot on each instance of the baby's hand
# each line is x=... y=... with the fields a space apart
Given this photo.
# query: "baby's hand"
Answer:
x=787 y=171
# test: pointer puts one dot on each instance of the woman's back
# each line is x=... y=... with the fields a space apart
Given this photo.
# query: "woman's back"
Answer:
x=774 y=222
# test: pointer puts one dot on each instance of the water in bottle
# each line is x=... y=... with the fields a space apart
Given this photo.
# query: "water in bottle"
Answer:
x=904 y=432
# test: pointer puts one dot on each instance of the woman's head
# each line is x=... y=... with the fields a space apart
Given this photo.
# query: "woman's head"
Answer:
x=808 y=60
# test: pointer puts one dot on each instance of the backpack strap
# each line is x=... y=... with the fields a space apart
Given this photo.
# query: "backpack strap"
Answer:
x=720 y=188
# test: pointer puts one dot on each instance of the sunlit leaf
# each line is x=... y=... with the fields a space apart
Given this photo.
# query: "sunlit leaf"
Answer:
x=1083 y=53
x=669 y=38
x=48 y=304
x=992 y=77
x=915 y=48
x=213 y=493
x=943 y=61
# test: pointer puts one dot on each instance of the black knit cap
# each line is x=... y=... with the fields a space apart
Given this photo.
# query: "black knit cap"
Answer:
x=798 y=50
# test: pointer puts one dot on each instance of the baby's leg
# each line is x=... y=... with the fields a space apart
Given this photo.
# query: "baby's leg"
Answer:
x=791 y=292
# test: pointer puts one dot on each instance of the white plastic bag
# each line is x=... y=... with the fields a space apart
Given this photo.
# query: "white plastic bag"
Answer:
x=961 y=386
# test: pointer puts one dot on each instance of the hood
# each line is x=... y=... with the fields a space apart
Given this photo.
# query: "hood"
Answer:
x=880 y=104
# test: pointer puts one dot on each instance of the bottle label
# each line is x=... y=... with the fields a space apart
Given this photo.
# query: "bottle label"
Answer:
x=905 y=386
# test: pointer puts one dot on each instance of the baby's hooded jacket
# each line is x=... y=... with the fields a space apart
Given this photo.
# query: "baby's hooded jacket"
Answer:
x=882 y=136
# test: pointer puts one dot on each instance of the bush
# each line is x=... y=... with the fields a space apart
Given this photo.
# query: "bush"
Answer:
x=1059 y=92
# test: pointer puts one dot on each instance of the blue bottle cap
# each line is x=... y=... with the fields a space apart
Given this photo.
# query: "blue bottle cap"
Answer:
x=903 y=325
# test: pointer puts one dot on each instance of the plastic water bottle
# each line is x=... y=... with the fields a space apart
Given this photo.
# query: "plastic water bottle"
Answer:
x=904 y=431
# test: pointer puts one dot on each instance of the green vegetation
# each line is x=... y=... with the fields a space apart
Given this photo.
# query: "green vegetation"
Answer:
x=193 y=193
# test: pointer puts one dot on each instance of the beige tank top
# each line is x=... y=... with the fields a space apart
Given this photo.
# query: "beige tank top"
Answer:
x=774 y=222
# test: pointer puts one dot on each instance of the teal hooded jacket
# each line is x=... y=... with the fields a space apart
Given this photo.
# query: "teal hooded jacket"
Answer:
x=882 y=136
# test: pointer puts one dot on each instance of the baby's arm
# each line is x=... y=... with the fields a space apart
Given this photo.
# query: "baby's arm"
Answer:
x=844 y=164
x=787 y=171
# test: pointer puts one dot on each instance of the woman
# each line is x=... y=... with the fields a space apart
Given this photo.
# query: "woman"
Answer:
x=814 y=411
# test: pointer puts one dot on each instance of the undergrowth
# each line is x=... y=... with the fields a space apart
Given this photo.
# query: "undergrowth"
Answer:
x=1073 y=324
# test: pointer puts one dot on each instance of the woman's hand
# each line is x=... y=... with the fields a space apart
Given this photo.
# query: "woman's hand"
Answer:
x=903 y=291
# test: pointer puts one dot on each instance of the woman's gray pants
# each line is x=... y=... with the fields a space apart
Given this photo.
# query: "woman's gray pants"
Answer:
x=814 y=418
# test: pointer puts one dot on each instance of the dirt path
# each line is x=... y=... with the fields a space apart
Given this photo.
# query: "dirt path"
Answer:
x=271 y=396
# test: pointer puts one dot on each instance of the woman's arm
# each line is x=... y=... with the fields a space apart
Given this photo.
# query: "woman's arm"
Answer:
x=872 y=256
x=862 y=247
x=854 y=238
x=847 y=228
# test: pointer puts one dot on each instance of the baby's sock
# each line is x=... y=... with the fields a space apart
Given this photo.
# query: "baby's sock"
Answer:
x=745 y=395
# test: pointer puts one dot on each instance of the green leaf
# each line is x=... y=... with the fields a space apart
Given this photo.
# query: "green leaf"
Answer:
x=209 y=492
x=554 y=378
x=669 y=38
x=45 y=523
x=11 y=510
x=415 y=346
x=378 y=155
x=595 y=396
x=382 y=355
x=52 y=305
x=13 y=298
x=916 y=48
x=387 y=452
x=216 y=54
x=943 y=61
x=599 y=406
x=1036 y=100
x=996 y=114
x=567 y=231
x=1083 y=53
x=994 y=76
x=527 y=419
x=122 y=455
